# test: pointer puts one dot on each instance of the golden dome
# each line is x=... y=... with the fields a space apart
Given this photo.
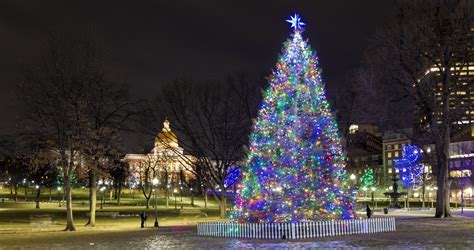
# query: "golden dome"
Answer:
x=166 y=137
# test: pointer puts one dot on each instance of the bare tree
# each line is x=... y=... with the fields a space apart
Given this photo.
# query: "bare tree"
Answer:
x=109 y=108
x=423 y=53
x=119 y=171
x=54 y=92
x=212 y=122
x=147 y=170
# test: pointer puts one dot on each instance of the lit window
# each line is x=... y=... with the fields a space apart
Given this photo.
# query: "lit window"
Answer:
x=389 y=170
x=396 y=154
x=460 y=173
x=396 y=146
x=389 y=155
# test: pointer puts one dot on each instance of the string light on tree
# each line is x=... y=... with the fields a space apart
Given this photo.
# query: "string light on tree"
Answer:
x=367 y=180
x=294 y=169
x=409 y=166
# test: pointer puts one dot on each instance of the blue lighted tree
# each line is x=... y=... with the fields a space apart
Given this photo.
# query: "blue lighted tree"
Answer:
x=409 y=166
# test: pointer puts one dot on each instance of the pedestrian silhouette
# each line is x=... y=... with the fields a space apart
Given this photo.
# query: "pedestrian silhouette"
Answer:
x=369 y=212
x=143 y=219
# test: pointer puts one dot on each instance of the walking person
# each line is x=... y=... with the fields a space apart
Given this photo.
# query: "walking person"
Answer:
x=369 y=212
x=143 y=219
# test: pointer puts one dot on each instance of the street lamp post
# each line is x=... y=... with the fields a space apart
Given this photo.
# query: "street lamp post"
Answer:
x=175 y=191
x=102 y=189
x=168 y=195
x=59 y=196
x=373 y=199
x=155 y=184
x=192 y=197
x=365 y=192
x=25 y=184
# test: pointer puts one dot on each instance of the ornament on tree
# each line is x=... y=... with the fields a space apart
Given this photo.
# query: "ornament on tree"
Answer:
x=294 y=169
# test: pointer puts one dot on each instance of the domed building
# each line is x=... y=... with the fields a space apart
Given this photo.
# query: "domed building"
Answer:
x=166 y=162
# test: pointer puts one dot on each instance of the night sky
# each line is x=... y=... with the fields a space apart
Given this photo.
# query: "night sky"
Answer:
x=149 y=43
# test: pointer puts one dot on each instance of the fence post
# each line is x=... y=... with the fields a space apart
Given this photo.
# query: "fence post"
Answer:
x=333 y=228
x=325 y=228
x=351 y=226
x=278 y=230
x=380 y=226
x=376 y=225
x=342 y=227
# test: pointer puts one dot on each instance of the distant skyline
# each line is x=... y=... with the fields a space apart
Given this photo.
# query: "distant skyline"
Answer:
x=150 y=43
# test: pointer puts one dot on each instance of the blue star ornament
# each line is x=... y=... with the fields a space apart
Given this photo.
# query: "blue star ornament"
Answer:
x=296 y=22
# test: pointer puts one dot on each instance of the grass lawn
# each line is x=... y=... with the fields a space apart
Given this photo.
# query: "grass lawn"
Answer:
x=22 y=222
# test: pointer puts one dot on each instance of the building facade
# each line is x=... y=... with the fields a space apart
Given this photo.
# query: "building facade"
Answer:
x=392 y=144
x=364 y=150
x=166 y=161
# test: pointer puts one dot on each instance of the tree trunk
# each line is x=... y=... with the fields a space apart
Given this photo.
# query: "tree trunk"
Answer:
x=147 y=202
x=442 y=200
x=69 y=217
x=38 y=193
x=222 y=203
x=16 y=193
x=92 y=198
x=119 y=193
x=442 y=156
x=50 y=194
x=26 y=194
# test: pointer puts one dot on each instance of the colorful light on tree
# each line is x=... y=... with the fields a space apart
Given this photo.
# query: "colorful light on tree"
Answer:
x=294 y=169
x=367 y=180
x=409 y=166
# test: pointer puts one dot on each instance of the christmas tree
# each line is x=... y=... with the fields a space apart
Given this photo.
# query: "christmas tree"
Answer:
x=367 y=179
x=294 y=169
x=409 y=166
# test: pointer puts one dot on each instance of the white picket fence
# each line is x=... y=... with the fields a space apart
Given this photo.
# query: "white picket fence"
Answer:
x=300 y=230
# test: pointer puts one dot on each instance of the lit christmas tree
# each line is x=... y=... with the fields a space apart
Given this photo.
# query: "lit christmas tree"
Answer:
x=367 y=180
x=409 y=166
x=294 y=169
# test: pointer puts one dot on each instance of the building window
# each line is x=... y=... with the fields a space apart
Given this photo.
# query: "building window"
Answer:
x=389 y=170
x=396 y=146
x=396 y=154
x=389 y=147
x=389 y=155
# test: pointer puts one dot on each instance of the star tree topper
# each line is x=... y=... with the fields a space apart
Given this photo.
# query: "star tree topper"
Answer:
x=296 y=22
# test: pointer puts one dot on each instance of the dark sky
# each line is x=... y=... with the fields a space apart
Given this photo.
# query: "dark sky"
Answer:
x=148 y=43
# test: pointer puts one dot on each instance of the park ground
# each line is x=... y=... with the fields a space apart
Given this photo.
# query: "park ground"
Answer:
x=23 y=226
